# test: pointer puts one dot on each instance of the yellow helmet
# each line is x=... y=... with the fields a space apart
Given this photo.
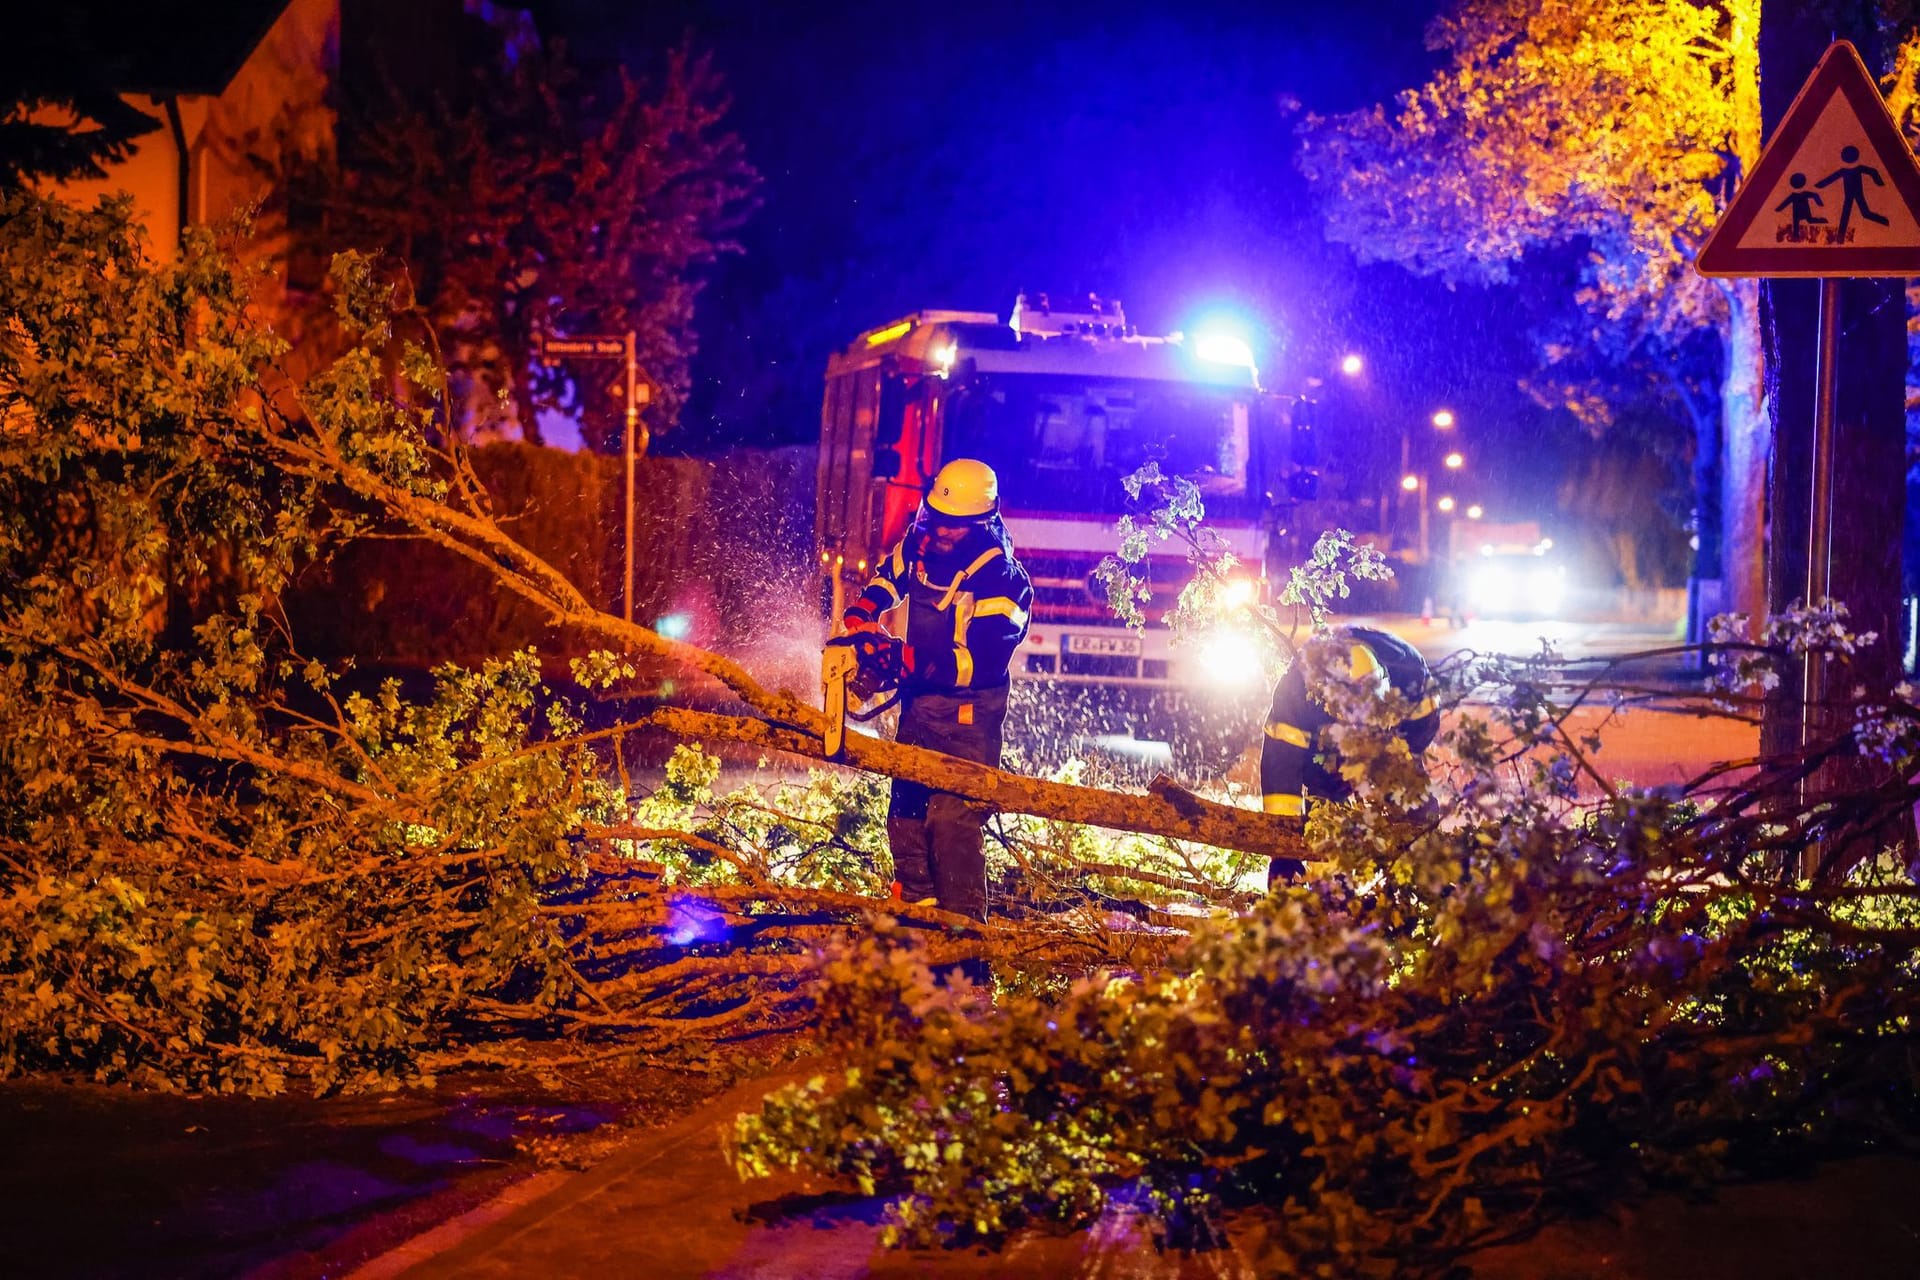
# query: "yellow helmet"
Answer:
x=966 y=489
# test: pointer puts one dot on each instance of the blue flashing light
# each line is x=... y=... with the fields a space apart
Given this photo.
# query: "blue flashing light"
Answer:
x=1224 y=348
x=692 y=920
x=674 y=626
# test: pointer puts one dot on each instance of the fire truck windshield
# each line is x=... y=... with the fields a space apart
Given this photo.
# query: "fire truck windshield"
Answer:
x=1061 y=444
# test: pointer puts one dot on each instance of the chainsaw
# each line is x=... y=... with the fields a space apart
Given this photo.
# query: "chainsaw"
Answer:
x=865 y=665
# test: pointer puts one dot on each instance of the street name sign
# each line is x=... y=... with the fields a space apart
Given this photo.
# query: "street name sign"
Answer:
x=588 y=346
x=1835 y=193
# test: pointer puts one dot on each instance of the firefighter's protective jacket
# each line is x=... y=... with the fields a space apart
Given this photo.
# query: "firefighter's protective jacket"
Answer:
x=966 y=612
x=1296 y=766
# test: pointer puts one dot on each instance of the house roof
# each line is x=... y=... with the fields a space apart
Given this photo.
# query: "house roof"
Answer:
x=163 y=47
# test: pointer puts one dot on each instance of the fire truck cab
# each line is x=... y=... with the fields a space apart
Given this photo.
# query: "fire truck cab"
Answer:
x=1063 y=404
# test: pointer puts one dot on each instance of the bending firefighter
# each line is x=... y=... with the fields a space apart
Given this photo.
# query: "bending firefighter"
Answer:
x=965 y=599
x=1297 y=767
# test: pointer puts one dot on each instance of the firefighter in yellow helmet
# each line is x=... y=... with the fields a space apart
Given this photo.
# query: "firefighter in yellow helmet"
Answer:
x=1298 y=766
x=966 y=602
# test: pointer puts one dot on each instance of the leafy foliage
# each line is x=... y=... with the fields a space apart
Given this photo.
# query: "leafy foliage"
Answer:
x=1209 y=599
x=226 y=865
x=214 y=868
x=828 y=831
x=222 y=864
x=1515 y=986
x=1621 y=122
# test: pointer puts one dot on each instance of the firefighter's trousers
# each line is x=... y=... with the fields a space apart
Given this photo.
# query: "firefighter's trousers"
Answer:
x=935 y=835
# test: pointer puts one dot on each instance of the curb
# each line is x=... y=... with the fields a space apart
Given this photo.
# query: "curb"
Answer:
x=450 y=1249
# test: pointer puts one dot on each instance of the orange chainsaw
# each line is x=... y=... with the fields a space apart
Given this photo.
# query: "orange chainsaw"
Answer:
x=855 y=669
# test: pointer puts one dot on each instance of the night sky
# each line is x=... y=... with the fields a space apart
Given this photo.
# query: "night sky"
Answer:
x=918 y=157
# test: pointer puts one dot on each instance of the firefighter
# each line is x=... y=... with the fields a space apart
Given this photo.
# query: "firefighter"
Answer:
x=1298 y=767
x=967 y=599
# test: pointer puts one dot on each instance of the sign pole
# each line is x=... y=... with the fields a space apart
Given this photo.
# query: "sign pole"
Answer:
x=633 y=420
x=1813 y=670
x=609 y=346
x=1820 y=523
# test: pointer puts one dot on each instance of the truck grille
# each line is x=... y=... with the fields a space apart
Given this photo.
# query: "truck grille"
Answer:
x=1099 y=664
x=1064 y=589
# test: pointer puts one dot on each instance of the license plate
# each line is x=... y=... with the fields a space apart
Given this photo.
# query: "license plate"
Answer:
x=1105 y=646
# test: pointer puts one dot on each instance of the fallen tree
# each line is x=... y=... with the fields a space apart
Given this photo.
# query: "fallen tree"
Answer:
x=1520 y=981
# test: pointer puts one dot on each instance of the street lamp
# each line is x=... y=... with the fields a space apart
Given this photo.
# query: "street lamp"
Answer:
x=1351 y=364
x=1455 y=461
x=1409 y=482
x=1475 y=511
x=1443 y=418
x=1445 y=504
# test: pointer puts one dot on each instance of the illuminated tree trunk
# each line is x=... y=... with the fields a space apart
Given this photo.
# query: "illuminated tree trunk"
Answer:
x=1744 y=434
x=1744 y=431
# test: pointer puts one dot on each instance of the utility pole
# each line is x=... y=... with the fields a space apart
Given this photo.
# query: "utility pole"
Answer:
x=1425 y=545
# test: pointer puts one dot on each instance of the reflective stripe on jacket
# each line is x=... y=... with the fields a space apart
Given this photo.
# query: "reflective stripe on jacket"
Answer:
x=966 y=613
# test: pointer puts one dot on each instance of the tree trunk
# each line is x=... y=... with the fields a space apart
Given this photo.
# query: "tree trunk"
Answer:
x=1165 y=810
x=1869 y=491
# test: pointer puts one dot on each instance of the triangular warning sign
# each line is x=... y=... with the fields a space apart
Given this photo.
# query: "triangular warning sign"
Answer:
x=1836 y=191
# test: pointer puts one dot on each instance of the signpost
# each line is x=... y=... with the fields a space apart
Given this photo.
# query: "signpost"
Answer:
x=1835 y=195
x=600 y=346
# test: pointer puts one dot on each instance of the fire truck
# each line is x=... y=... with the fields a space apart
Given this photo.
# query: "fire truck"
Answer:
x=1063 y=403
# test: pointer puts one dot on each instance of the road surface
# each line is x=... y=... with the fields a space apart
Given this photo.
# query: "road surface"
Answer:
x=1570 y=638
x=1643 y=745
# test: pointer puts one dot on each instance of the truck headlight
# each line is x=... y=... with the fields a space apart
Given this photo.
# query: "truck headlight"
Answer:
x=1230 y=659
x=1547 y=589
x=1224 y=348
x=1493 y=588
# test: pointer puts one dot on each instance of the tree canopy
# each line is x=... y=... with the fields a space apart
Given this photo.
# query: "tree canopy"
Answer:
x=1617 y=127
x=1620 y=123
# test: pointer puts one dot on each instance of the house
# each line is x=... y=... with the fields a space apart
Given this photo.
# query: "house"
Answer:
x=247 y=94
x=241 y=92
